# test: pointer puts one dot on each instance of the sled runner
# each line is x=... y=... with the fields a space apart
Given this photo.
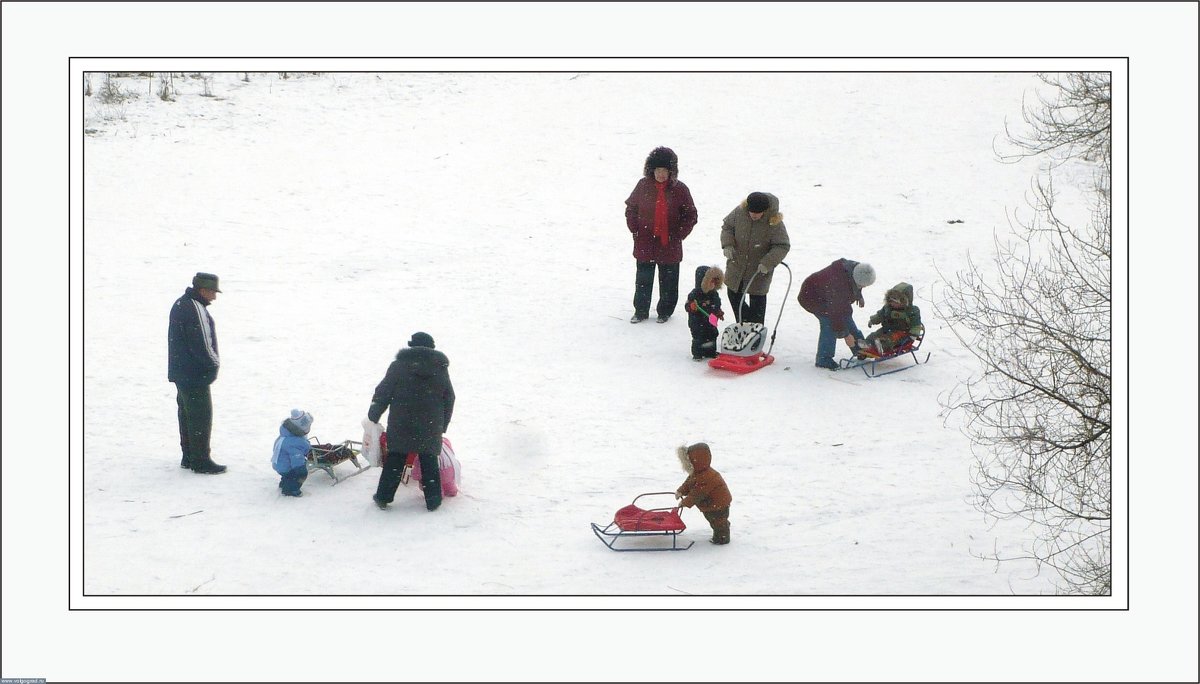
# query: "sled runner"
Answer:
x=633 y=522
x=869 y=359
x=742 y=343
x=325 y=456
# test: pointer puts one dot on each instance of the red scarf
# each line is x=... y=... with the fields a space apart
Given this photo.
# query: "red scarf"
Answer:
x=660 y=213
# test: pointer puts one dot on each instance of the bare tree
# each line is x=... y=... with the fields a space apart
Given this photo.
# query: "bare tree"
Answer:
x=166 y=86
x=1075 y=124
x=111 y=91
x=1039 y=322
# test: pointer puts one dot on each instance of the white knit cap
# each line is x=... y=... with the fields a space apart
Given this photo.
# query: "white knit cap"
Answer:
x=301 y=420
x=864 y=275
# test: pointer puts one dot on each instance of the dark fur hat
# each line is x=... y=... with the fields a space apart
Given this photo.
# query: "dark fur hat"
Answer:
x=420 y=339
x=661 y=157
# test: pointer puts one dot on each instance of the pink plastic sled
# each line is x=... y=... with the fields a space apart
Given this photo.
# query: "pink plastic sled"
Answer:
x=447 y=464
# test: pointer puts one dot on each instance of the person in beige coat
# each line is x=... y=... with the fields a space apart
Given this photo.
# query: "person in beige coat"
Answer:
x=705 y=489
x=754 y=241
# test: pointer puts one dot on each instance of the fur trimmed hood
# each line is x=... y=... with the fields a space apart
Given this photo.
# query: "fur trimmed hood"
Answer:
x=663 y=157
x=901 y=291
x=709 y=278
x=695 y=458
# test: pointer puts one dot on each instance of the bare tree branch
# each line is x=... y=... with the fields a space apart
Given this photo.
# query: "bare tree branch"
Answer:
x=1039 y=321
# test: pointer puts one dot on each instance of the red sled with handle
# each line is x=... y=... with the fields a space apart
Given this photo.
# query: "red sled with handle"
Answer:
x=742 y=343
x=635 y=523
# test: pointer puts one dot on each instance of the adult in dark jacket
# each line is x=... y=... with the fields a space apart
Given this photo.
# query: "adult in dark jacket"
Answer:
x=419 y=398
x=192 y=364
x=659 y=213
x=828 y=294
x=755 y=241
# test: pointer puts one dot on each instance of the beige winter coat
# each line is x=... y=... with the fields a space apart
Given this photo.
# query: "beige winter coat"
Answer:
x=764 y=241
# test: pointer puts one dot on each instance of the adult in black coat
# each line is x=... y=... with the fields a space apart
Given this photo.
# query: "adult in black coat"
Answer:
x=419 y=398
x=192 y=364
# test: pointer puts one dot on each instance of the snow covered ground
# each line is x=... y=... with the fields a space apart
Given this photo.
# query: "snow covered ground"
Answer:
x=345 y=211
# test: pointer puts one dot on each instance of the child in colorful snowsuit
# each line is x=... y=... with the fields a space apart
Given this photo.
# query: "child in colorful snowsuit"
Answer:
x=899 y=320
x=705 y=489
x=289 y=457
x=704 y=310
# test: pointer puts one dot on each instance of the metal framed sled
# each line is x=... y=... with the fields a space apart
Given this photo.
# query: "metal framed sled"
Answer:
x=742 y=343
x=324 y=456
x=869 y=360
x=633 y=522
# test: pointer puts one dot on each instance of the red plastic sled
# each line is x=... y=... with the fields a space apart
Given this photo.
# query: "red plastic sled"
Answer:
x=741 y=364
x=869 y=359
x=632 y=521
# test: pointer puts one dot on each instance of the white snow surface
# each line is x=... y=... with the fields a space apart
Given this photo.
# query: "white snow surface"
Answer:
x=345 y=211
x=354 y=183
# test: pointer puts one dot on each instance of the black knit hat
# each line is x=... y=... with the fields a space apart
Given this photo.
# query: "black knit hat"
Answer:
x=420 y=339
x=661 y=158
x=757 y=201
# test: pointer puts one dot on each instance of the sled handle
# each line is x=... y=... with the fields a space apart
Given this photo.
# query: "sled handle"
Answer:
x=650 y=494
x=746 y=292
x=782 y=302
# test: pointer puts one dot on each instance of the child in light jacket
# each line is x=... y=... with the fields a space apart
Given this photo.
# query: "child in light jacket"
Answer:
x=289 y=458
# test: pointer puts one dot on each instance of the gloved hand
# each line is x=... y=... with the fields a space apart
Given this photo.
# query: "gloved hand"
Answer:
x=721 y=315
x=763 y=268
x=690 y=306
x=728 y=252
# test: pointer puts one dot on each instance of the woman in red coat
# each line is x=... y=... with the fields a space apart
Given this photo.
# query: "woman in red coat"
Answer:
x=660 y=213
x=827 y=294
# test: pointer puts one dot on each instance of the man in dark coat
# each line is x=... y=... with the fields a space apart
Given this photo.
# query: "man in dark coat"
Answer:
x=659 y=213
x=420 y=399
x=192 y=364
x=827 y=294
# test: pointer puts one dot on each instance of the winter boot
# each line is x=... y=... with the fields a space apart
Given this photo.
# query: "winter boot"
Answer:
x=207 y=467
x=720 y=532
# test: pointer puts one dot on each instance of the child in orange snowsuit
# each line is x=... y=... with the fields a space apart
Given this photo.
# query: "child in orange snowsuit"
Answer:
x=705 y=489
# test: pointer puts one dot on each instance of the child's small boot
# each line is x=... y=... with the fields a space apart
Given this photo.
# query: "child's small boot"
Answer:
x=720 y=532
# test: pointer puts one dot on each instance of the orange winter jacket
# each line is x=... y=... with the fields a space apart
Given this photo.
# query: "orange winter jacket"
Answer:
x=704 y=488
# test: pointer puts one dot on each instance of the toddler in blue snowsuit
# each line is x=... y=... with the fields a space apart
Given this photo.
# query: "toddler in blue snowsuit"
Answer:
x=289 y=457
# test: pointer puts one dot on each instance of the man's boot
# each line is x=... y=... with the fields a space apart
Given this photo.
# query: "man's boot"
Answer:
x=207 y=467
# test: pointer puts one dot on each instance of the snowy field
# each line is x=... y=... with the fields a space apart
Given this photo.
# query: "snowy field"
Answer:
x=344 y=211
